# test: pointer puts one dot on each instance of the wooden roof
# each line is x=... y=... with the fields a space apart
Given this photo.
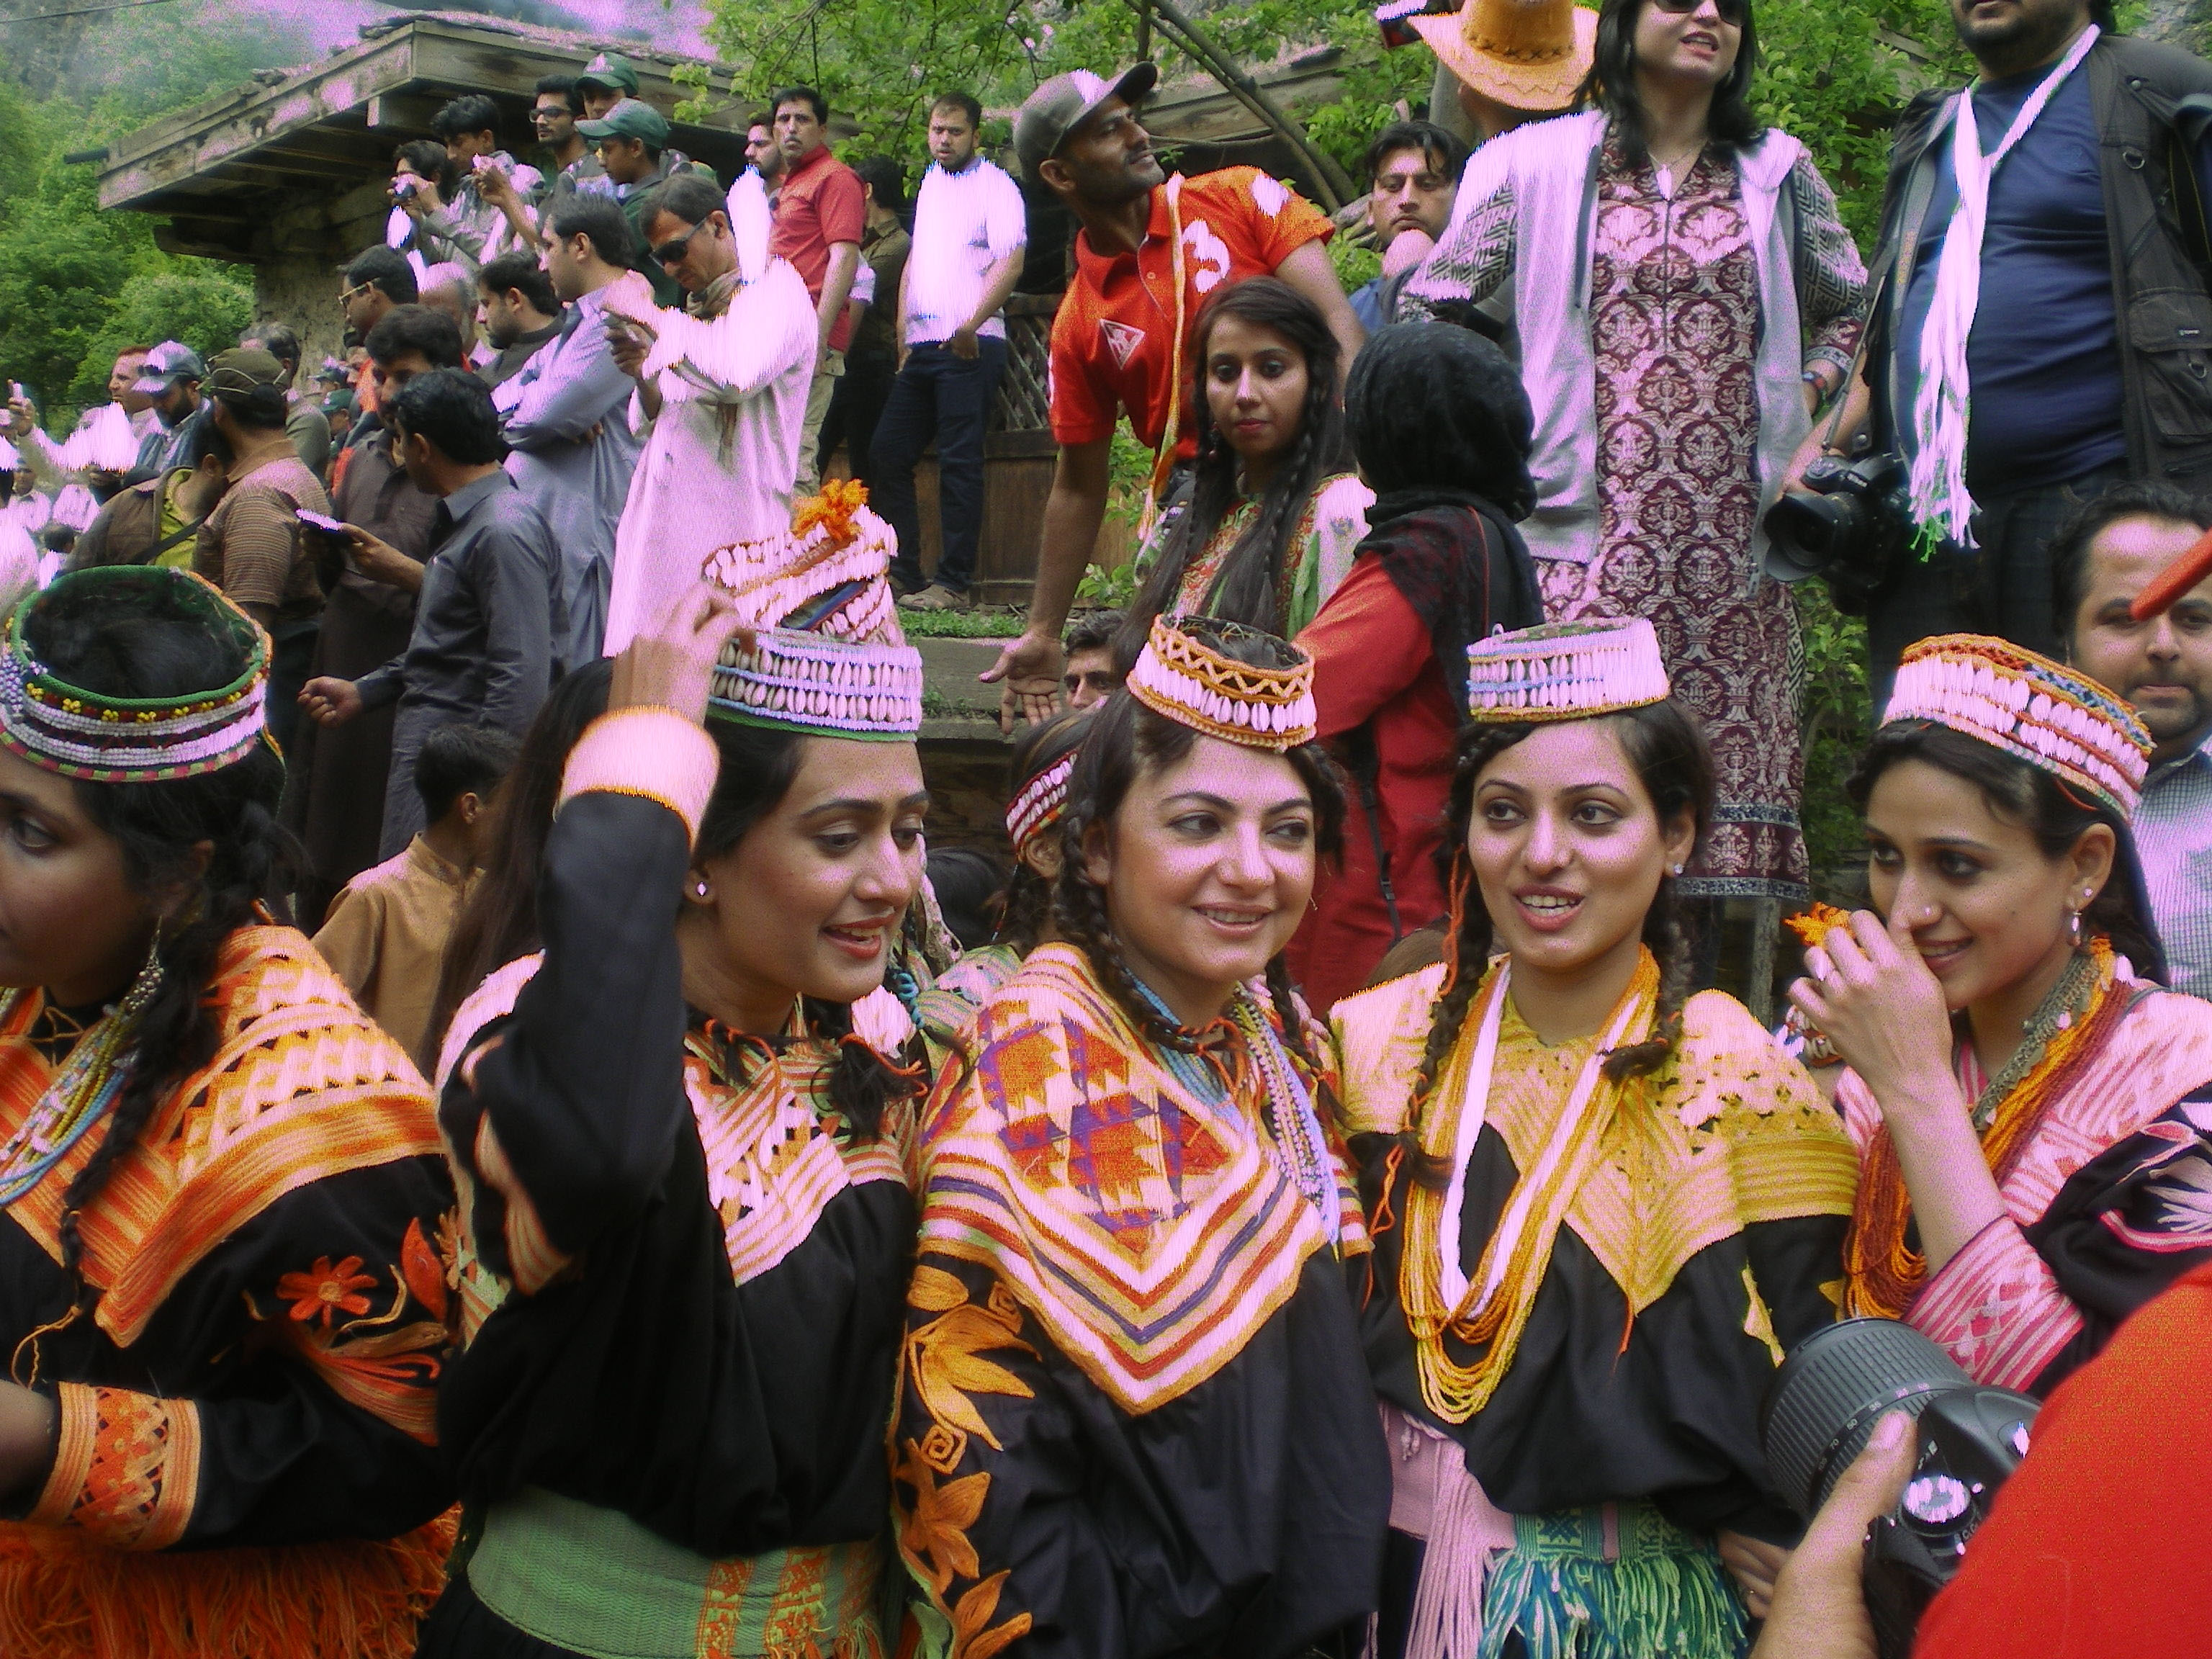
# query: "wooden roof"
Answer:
x=298 y=161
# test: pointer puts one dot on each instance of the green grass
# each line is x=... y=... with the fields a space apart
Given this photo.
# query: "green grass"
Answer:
x=984 y=622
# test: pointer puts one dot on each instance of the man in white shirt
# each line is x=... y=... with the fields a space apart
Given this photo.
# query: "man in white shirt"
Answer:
x=970 y=231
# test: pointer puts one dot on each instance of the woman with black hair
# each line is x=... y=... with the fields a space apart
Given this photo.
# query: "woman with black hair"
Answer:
x=1603 y=1208
x=2034 y=1110
x=1272 y=517
x=1134 y=1422
x=1441 y=427
x=221 y=1277
x=1674 y=282
x=686 y=1232
x=1042 y=761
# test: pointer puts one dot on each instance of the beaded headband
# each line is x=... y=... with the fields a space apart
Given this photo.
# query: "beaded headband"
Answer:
x=1564 y=671
x=834 y=544
x=2030 y=707
x=1037 y=804
x=828 y=658
x=108 y=739
x=1180 y=675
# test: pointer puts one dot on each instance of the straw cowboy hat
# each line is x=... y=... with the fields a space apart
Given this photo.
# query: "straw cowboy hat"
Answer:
x=1525 y=54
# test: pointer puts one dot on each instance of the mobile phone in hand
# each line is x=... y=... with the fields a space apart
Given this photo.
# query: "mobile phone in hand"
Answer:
x=328 y=525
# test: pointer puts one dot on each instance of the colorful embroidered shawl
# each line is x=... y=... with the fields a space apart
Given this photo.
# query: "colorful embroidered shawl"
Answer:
x=1149 y=1232
x=1996 y=1306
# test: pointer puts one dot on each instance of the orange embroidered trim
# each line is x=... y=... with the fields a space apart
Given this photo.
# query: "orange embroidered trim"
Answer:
x=1882 y=1275
x=302 y=1086
x=652 y=753
x=129 y=1467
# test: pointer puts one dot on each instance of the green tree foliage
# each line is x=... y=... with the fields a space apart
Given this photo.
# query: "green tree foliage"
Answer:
x=76 y=283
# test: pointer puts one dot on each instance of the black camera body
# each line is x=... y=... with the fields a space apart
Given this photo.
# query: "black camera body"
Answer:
x=1969 y=1441
x=1394 y=18
x=1823 y=1404
x=1848 y=522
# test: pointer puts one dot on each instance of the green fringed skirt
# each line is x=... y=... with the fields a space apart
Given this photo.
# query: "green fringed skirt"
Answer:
x=1658 y=1592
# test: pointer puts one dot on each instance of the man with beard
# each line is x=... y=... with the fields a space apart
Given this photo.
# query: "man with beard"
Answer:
x=521 y=314
x=2106 y=553
x=1122 y=335
x=2043 y=341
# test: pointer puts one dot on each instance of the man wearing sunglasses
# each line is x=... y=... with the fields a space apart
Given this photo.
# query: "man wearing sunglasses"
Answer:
x=726 y=396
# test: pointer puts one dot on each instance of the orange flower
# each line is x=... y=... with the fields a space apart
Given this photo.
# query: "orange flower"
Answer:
x=833 y=509
x=1812 y=924
x=323 y=1288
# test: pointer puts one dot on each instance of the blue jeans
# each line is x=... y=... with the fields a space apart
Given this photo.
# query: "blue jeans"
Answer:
x=937 y=395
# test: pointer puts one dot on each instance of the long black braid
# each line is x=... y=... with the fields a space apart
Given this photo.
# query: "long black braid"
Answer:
x=1248 y=587
x=205 y=853
x=1670 y=757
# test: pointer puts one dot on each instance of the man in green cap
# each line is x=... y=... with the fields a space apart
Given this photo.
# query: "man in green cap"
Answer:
x=606 y=80
x=632 y=140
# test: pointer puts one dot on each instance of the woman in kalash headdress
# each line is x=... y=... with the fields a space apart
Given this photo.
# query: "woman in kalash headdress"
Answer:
x=1601 y=1210
x=221 y=1284
x=2031 y=1107
x=1042 y=761
x=677 y=1135
x=1134 y=1420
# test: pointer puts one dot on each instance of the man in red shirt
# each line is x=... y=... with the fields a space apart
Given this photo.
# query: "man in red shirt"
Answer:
x=821 y=208
x=1122 y=337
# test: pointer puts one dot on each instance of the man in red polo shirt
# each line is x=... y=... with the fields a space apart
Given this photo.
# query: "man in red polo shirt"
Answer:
x=821 y=208
x=1122 y=337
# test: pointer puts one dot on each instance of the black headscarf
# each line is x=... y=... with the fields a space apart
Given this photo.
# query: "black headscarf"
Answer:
x=1441 y=426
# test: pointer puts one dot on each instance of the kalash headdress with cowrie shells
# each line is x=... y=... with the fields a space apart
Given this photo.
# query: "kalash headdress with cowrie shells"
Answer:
x=110 y=739
x=1183 y=674
x=1039 y=805
x=828 y=658
x=2026 y=705
x=1564 y=671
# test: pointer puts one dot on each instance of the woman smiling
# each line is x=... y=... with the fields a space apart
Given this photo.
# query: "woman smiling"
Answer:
x=2024 y=1096
x=1601 y=1212
x=1134 y=1420
x=687 y=1233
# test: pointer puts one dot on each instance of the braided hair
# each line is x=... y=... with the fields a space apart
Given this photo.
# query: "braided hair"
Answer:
x=1125 y=737
x=148 y=642
x=1670 y=755
x=1250 y=581
x=759 y=764
x=1028 y=905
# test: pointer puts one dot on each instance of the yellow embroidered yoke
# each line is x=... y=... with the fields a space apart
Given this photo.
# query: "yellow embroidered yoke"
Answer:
x=1729 y=1133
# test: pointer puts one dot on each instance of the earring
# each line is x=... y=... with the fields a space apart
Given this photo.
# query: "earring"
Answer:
x=699 y=888
x=1679 y=868
x=2073 y=927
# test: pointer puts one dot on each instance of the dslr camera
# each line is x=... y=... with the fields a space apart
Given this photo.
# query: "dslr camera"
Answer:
x=1821 y=1408
x=1848 y=522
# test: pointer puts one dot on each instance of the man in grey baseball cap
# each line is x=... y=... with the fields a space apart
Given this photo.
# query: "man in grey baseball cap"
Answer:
x=1122 y=338
x=170 y=376
x=1064 y=103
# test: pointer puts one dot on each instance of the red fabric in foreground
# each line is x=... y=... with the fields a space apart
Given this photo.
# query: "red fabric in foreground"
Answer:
x=2100 y=1546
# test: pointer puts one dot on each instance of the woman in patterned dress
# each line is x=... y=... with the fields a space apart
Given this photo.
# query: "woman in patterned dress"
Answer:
x=222 y=1200
x=1272 y=520
x=1682 y=295
x=686 y=1231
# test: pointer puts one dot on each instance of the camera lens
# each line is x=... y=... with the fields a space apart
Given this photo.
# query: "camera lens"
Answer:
x=1805 y=531
x=1824 y=1401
